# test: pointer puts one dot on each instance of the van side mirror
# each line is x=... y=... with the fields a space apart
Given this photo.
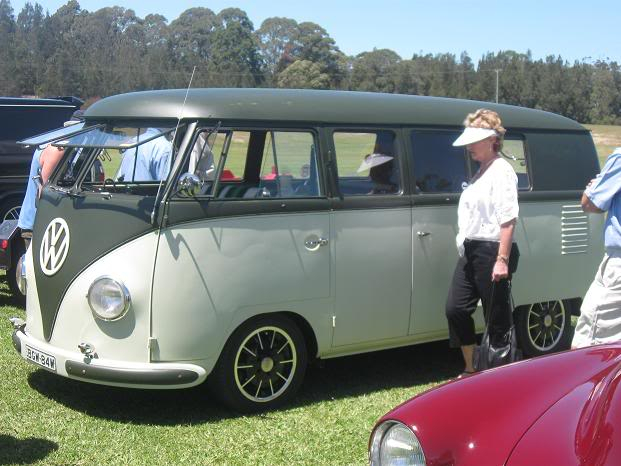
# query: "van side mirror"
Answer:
x=189 y=185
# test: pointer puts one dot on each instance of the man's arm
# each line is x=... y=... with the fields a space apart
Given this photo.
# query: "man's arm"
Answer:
x=588 y=206
x=49 y=159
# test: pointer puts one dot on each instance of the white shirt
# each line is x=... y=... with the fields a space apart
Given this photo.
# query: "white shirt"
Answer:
x=488 y=202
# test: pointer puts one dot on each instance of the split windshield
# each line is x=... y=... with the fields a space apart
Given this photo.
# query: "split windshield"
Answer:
x=117 y=157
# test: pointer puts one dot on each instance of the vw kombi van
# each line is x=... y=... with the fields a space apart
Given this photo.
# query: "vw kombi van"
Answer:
x=241 y=233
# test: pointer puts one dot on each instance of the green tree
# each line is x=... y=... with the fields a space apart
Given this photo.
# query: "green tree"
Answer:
x=64 y=70
x=579 y=82
x=190 y=36
x=375 y=71
x=603 y=95
x=158 y=61
x=274 y=36
x=8 y=84
x=235 y=59
x=312 y=43
x=28 y=48
x=304 y=74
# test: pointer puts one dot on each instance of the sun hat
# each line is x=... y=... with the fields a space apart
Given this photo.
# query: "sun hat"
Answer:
x=471 y=135
x=373 y=160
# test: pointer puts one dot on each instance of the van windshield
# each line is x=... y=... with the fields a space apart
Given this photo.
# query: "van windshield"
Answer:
x=111 y=137
x=118 y=158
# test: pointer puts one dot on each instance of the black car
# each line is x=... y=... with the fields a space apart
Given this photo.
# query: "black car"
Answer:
x=19 y=119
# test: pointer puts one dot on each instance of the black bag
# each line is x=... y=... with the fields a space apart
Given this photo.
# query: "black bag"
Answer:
x=487 y=355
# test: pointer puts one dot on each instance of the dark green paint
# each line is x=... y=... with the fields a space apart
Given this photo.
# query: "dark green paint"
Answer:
x=96 y=226
x=346 y=107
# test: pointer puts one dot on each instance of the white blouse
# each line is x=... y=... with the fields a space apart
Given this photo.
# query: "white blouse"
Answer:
x=487 y=203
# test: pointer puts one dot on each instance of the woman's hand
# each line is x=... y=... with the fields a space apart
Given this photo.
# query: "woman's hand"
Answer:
x=500 y=271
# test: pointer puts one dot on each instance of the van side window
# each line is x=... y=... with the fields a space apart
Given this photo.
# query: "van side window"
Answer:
x=260 y=163
x=207 y=150
x=289 y=165
x=367 y=163
x=438 y=166
x=515 y=153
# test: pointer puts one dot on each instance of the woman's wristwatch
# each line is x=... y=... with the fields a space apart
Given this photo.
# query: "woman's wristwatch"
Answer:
x=502 y=258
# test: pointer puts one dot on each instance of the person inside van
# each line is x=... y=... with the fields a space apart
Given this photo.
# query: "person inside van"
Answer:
x=147 y=162
x=381 y=171
x=381 y=176
x=487 y=213
x=44 y=161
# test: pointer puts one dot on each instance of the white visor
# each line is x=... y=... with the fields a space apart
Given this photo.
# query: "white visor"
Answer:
x=373 y=160
x=472 y=135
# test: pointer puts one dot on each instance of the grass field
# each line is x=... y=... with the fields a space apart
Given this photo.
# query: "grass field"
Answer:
x=47 y=419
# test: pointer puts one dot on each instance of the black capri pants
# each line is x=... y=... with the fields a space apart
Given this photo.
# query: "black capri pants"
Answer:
x=472 y=280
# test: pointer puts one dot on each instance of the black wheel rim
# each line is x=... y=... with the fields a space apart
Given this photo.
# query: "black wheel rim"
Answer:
x=265 y=364
x=546 y=323
x=12 y=214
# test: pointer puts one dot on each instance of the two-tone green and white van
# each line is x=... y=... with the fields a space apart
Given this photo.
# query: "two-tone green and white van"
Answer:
x=240 y=233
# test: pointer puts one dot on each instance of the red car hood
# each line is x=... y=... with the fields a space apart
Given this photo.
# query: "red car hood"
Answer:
x=560 y=402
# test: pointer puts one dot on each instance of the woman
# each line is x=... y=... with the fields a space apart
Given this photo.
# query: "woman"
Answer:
x=487 y=212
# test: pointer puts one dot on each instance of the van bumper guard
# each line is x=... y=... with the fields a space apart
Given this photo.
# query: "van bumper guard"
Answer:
x=114 y=375
x=111 y=372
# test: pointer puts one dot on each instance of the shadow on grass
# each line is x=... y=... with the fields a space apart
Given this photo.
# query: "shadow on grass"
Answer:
x=7 y=299
x=338 y=378
x=27 y=451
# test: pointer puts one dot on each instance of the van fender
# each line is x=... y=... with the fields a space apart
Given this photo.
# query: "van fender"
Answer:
x=308 y=327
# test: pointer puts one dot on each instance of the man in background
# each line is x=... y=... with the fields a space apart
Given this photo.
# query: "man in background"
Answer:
x=600 y=317
x=44 y=161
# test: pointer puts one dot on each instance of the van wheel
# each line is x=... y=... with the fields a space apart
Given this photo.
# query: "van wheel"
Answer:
x=261 y=366
x=544 y=328
x=17 y=253
x=9 y=210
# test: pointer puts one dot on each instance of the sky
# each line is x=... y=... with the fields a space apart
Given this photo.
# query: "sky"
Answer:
x=573 y=29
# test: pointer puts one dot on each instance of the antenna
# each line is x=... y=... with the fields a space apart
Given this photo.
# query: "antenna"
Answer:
x=185 y=99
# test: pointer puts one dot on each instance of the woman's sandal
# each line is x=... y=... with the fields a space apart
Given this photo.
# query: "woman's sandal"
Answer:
x=465 y=374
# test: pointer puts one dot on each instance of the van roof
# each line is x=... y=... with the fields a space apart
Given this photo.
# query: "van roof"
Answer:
x=335 y=107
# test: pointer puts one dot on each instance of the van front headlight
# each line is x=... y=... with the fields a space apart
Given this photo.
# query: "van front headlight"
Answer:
x=108 y=298
x=395 y=444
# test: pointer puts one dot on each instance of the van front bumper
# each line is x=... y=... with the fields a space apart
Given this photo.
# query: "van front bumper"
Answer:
x=75 y=365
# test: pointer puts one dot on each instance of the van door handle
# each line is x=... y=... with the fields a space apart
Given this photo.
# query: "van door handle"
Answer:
x=422 y=234
x=312 y=243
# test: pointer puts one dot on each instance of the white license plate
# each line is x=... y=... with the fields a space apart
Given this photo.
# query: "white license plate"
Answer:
x=40 y=358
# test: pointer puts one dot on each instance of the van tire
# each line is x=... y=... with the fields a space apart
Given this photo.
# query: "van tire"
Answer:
x=269 y=349
x=544 y=328
x=17 y=251
x=9 y=209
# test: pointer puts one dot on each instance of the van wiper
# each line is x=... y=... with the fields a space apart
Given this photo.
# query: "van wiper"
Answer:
x=66 y=192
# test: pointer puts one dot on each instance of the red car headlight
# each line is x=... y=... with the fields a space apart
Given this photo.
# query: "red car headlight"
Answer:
x=393 y=443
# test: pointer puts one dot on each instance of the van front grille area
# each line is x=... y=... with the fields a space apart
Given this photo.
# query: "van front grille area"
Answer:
x=574 y=230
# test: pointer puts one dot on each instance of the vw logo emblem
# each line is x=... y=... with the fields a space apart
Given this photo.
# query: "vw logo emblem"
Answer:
x=54 y=247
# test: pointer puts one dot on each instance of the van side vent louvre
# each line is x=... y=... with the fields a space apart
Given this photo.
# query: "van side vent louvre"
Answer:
x=574 y=230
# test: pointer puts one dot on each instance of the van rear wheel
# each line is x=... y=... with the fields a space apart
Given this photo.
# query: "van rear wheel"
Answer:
x=544 y=328
x=262 y=364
